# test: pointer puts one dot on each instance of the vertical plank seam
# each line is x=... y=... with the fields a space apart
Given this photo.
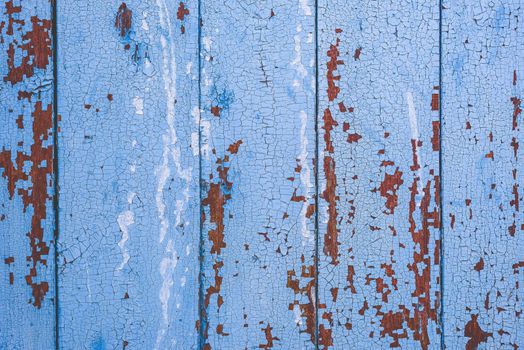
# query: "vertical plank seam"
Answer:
x=201 y=305
x=56 y=188
x=316 y=257
x=440 y=170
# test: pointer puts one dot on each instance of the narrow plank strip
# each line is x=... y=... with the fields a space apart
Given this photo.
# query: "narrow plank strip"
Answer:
x=129 y=174
x=482 y=171
x=27 y=290
x=258 y=146
x=378 y=174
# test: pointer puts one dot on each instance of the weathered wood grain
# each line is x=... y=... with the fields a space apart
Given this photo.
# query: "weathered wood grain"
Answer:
x=27 y=293
x=196 y=140
x=483 y=56
x=129 y=209
x=258 y=146
x=378 y=174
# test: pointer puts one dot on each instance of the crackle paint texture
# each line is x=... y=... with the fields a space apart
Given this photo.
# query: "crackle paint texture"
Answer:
x=305 y=174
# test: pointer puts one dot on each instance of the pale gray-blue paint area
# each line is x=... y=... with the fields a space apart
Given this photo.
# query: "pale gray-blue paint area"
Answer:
x=263 y=175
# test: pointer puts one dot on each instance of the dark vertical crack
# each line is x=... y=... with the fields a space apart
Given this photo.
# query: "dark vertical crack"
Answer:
x=201 y=304
x=316 y=177
x=440 y=171
x=55 y=168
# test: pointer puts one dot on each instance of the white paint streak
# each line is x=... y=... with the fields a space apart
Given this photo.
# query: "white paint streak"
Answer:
x=412 y=116
x=170 y=154
x=305 y=7
x=124 y=220
x=138 y=103
x=305 y=178
x=167 y=269
x=145 y=25
x=297 y=61
x=207 y=42
x=298 y=314
x=413 y=125
x=194 y=143
x=130 y=197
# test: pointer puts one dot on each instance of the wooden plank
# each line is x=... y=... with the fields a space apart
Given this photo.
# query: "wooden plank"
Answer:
x=27 y=292
x=483 y=175
x=258 y=146
x=129 y=233
x=378 y=174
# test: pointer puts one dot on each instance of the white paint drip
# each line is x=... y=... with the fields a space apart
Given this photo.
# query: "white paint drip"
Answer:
x=297 y=61
x=124 y=220
x=145 y=25
x=305 y=7
x=413 y=124
x=194 y=143
x=170 y=153
x=298 y=314
x=130 y=197
x=207 y=42
x=167 y=269
x=305 y=178
x=138 y=103
x=412 y=116
x=205 y=126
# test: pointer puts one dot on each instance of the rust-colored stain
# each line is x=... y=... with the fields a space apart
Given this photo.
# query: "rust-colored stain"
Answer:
x=475 y=334
x=182 y=11
x=516 y=111
x=333 y=54
x=218 y=195
x=435 y=139
x=479 y=266
x=270 y=339
x=329 y=195
x=307 y=310
x=180 y=14
x=215 y=110
x=422 y=215
x=357 y=53
x=34 y=168
x=435 y=100
x=123 y=20
x=35 y=48
x=388 y=189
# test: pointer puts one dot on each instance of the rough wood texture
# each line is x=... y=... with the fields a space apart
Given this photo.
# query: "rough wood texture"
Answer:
x=258 y=142
x=128 y=175
x=379 y=175
x=27 y=287
x=483 y=223
x=197 y=140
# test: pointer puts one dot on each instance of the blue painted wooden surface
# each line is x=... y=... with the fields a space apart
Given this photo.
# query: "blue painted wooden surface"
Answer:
x=378 y=175
x=27 y=283
x=483 y=69
x=258 y=175
x=258 y=139
x=129 y=210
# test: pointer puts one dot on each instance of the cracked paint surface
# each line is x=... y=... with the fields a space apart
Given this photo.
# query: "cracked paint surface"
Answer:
x=26 y=176
x=482 y=195
x=258 y=179
x=262 y=175
x=129 y=222
x=378 y=179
